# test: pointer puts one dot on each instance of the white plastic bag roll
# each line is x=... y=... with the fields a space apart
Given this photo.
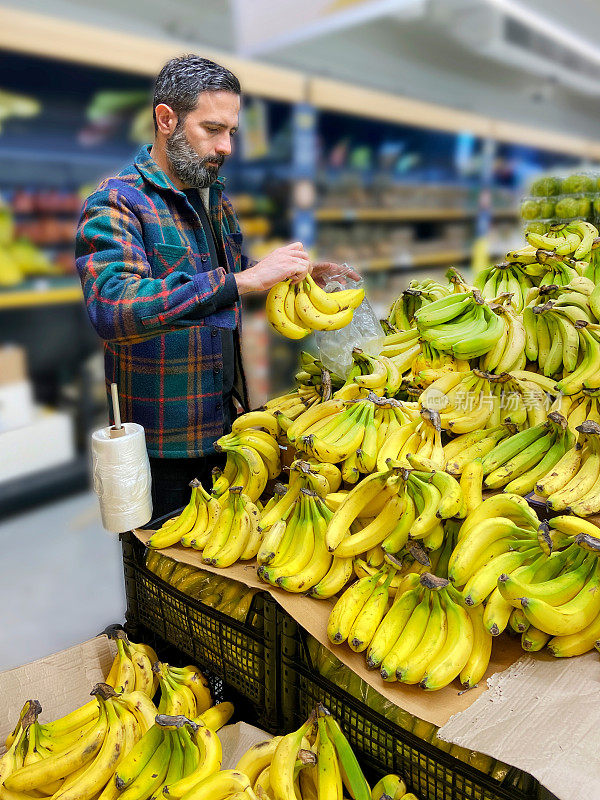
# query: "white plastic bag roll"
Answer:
x=122 y=479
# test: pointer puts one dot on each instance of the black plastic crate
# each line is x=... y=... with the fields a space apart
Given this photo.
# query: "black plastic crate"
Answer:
x=381 y=745
x=242 y=654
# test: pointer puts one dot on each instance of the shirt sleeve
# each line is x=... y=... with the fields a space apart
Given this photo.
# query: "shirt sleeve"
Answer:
x=125 y=303
x=225 y=297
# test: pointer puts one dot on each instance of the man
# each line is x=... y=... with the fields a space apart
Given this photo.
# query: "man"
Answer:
x=159 y=254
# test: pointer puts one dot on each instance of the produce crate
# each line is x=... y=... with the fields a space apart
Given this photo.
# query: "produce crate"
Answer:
x=381 y=745
x=242 y=654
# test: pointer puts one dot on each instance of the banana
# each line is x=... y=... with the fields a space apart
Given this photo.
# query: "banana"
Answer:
x=348 y=607
x=320 y=561
x=60 y=764
x=390 y=786
x=329 y=779
x=135 y=761
x=276 y=312
x=352 y=775
x=369 y=617
x=407 y=640
x=257 y=758
x=209 y=764
x=479 y=659
x=220 y=786
x=169 y=535
x=556 y=591
x=570 y=617
x=448 y=663
x=284 y=759
x=98 y=773
x=262 y=420
x=412 y=668
x=352 y=505
x=316 y=320
x=337 y=577
x=534 y=640
x=391 y=626
x=373 y=534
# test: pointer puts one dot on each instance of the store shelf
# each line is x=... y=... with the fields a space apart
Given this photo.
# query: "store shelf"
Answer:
x=391 y=214
x=41 y=293
x=438 y=258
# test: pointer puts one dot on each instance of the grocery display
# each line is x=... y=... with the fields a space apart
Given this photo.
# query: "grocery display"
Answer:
x=562 y=198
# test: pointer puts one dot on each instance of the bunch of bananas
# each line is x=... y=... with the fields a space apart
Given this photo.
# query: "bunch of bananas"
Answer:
x=518 y=461
x=183 y=690
x=556 y=337
x=294 y=555
x=581 y=407
x=315 y=761
x=289 y=406
x=419 y=293
x=380 y=374
x=555 y=602
x=431 y=364
x=192 y=527
x=421 y=437
x=509 y=351
x=574 y=296
x=571 y=239
x=403 y=346
x=510 y=279
x=295 y=310
x=467 y=448
x=500 y=535
x=171 y=759
x=462 y=323
x=253 y=458
x=426 y=637
x=470 y=401
x=236 y=534
x=574 y=481
x=74 y=757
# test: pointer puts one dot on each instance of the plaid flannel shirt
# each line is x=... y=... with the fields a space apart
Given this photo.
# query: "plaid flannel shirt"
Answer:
x=144 y=264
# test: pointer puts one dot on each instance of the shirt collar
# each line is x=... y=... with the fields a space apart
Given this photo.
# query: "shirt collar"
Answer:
x=149 y=169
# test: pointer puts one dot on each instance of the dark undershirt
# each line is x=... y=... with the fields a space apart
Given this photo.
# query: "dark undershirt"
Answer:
x=226 y=296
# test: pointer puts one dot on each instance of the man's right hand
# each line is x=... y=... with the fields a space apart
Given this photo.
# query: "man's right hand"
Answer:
x=291 y=261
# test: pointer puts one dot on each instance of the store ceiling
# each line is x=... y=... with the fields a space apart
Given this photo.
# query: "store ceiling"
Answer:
x=422 y=57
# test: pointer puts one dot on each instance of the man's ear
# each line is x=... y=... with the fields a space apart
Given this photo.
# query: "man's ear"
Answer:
x=166 y=119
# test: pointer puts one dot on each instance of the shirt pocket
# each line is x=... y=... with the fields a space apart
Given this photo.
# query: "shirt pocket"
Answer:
x=233 y=251
x=167 y=258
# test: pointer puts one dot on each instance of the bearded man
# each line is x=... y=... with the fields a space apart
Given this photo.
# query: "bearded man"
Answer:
x=159 y=254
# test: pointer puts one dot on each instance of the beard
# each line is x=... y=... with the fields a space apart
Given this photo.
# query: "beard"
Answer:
x=187 y=165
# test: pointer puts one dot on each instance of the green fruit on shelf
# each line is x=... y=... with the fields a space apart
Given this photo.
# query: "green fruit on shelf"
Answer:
x=577 y=183
x=567 y=207
x=546 y=186
x=547 y=208
x=531 y=209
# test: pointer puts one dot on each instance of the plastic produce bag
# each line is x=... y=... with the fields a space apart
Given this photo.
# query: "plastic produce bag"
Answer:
x=365 y=331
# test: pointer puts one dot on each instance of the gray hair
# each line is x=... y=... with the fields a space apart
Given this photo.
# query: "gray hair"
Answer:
x=182 y=79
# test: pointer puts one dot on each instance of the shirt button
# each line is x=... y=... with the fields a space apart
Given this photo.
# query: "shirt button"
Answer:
x=216 y=370
x=203 y=258
x=214 y=333
x=218 y=406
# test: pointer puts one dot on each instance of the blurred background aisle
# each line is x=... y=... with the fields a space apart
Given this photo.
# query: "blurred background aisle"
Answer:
x=398 y=136
x=61 y=580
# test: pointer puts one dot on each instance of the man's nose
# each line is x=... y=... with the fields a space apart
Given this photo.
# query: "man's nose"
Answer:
x=224 y=144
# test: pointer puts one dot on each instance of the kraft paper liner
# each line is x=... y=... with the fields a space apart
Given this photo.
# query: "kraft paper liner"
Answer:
x=435 y=707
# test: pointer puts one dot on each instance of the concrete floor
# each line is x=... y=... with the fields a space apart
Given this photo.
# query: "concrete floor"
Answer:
x=61 y=579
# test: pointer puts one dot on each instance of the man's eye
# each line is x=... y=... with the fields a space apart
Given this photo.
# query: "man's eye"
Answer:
x=232 y=133
x=212 y=130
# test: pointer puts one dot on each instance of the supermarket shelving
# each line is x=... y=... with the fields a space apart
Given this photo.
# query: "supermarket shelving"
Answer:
x=41 y=292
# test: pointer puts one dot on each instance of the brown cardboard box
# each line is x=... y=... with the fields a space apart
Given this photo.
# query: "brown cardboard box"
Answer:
x=13 y=364
x=61 y=682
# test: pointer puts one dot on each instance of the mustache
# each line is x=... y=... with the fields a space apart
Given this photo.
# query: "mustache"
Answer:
x=219 y=160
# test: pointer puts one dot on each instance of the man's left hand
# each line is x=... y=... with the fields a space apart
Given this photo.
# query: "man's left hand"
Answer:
x=323 y=271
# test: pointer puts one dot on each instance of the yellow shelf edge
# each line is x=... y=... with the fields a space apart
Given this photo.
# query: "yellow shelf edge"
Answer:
x=43 y=297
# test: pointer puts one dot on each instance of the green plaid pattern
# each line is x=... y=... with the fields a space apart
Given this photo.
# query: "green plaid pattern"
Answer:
x=144 y=263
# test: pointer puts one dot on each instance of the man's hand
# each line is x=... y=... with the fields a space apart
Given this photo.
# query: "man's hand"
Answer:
x=326 y=270
x=286 y=262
